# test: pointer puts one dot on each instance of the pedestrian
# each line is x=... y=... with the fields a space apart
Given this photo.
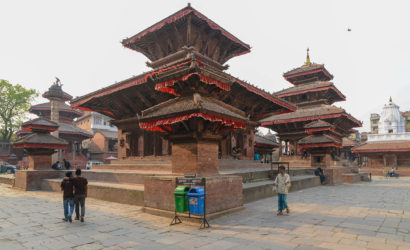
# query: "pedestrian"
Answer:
x=55 y=165
x=68 y=197
x=282 y=184
x=67 y=164
x=80 y=193
x=319 y=172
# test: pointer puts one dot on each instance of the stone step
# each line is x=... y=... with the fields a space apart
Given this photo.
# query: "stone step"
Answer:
x=263 y=189
x=355 y=177
x=132 y=194
x=121 y=176
x=248 y=175
x=139 y=166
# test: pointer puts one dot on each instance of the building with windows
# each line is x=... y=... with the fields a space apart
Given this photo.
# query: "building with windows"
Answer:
x=104 y=142
x=406 y=116
x=374 y=123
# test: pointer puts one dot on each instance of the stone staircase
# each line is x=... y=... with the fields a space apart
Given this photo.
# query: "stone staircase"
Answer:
x=120 y=186
x=137 y=165
x=296 y=161
x=124 y=182
x=258 y=185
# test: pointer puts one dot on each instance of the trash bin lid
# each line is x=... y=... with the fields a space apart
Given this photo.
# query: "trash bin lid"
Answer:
x=196 y=191
x=181 y=190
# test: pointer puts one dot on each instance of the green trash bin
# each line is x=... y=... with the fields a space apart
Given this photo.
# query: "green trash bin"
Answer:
x=181 y=199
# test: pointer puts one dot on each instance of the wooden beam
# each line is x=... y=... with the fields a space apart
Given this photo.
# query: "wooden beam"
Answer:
x=178 y=36
x=185 y=126
x=158 y=41
x=131 y=103
x=144 y=99
x=188 y=32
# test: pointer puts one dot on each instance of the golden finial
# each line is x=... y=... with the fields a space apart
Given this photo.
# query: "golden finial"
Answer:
x=307 y=63
x=390 y=99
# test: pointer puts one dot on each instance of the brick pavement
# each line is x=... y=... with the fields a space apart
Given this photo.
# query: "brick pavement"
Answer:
x=362 y=216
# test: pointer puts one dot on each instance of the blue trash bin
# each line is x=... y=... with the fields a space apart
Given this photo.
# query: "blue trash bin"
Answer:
x=197 y=200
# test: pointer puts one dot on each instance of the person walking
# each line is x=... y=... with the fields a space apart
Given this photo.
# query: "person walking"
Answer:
x=68 y=197
x=282 y=184
x=80 y=193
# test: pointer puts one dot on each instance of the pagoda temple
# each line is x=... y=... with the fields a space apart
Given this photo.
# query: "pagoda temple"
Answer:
x=317 y=126
x=40 y=144
x=186 y=106
x=58 y=111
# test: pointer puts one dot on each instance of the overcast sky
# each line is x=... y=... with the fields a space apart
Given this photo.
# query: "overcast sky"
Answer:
x=79 y=41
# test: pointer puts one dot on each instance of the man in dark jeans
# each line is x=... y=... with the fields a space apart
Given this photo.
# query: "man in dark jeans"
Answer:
x=67 y=164
x=80 y=192
x=68 y=198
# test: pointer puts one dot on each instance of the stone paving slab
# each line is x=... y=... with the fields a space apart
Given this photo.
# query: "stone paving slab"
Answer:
x=372 y=215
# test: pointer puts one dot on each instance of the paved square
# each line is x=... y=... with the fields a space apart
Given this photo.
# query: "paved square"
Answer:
x=372 y=215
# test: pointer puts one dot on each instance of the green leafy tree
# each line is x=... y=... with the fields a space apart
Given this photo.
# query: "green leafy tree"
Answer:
x=14 y=103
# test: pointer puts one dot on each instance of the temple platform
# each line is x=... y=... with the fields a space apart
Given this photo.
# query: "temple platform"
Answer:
x=124 y=184
x=127 y=186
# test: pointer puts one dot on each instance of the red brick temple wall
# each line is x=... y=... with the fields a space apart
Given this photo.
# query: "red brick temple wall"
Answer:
x=223 y=193
x=39 y=162
x=199 y=158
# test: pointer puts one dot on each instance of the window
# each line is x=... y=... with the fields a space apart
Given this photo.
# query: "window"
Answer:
x=98 y=121
x=390 y=131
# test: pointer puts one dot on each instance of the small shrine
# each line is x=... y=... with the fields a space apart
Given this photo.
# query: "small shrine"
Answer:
x=320 y=143
x=40 y=144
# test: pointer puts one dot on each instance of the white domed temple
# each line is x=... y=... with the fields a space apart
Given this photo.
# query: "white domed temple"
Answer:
x=390 y=147
x=391 y=120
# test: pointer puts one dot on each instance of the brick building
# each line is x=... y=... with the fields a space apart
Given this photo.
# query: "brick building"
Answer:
x=104 y=142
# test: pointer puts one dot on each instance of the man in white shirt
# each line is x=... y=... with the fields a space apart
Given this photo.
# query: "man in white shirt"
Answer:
x=282 y=184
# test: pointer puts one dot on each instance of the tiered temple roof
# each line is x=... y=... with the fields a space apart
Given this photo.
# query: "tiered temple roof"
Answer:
x=314 y=95
x=66 y=128
x=262 y=141
x=43 y=109
x=40 y=136
x=187 y=51
x=187 y=27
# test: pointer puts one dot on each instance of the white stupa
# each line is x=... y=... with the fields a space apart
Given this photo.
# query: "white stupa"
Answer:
x=392 y=125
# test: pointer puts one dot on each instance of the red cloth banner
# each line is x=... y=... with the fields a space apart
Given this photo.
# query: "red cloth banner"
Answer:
x=39 y=145
x=311 y=130
x=150 y=125
x=164 y=86
x=319 y=145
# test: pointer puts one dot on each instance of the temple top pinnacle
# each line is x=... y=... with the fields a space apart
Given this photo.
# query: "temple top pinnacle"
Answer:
x=390 y=100
x=307 y=63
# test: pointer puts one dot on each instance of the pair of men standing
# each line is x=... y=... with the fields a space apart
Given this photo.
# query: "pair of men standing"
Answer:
x=74 y=193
